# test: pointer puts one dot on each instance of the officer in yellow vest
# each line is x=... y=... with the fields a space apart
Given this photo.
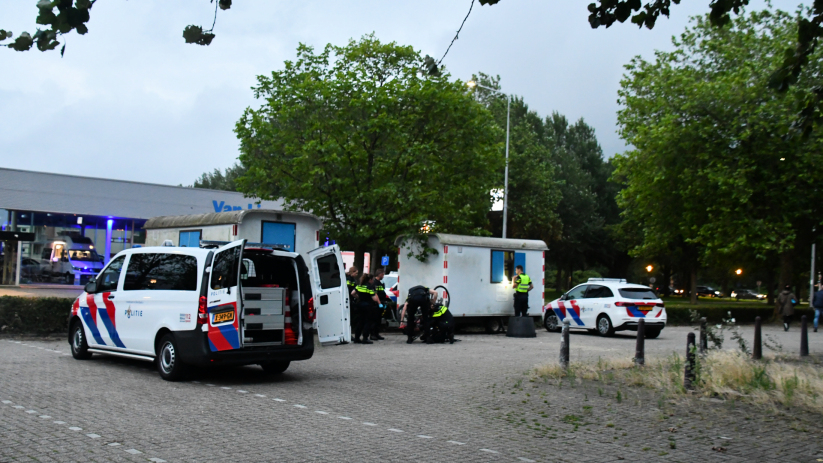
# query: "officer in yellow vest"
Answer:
x=444 y=321
x=522 y=285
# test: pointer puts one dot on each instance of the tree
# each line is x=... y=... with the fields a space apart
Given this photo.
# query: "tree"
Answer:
x=716 y=167
x=360 y=136
x=221 y=180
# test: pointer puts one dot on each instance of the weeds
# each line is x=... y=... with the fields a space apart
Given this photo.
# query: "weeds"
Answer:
x=730 y=374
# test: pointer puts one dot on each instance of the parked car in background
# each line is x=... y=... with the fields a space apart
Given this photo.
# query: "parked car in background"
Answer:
x=708 y=291
x=30 y=269
x=747 y=294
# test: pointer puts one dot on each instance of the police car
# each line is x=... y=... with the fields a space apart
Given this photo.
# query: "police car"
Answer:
x=232 y=304
x=605 y=305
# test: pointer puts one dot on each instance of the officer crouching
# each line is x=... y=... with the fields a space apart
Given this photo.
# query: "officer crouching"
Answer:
x=441 y=325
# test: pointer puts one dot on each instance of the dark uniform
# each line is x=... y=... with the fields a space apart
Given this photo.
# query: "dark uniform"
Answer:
x=365 y=312
x=418 y=299
x=521 y=295
x=444 y=321
x=387 y=305
x=351 y=283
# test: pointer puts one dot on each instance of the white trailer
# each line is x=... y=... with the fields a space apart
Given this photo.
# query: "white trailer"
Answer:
x=477 y=272
x=294 y=231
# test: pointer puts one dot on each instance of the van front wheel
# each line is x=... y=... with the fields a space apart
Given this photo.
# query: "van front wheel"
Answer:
x=79 y=346
x=275 y=368
x=168 y=360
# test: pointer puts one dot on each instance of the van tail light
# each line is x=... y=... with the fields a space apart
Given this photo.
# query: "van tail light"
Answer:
x=202 y=315
x=311 y=309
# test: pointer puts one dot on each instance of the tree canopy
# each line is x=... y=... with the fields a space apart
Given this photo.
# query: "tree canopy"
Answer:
x=359 y=135
x=716 y=168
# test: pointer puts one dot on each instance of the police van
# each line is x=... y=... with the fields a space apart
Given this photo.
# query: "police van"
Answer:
x=606 y=305
x=219 y=304
x=71 y=258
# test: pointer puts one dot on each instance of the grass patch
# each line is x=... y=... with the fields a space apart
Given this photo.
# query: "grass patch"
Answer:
x=728 y=374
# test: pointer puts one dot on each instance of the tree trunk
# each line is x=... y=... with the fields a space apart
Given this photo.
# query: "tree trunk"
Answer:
x=558 y=281
x=770 y=285
x=667 y=279
x=693 y=285
x=359 y=258
x=375 y=261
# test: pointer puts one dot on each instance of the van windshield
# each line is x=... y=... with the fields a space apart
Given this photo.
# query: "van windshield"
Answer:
x=83 y=255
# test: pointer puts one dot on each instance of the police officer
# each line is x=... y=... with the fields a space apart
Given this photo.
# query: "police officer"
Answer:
x=418 y=299
x=444 y=321
x=384 y=299
x=367 y=303
x=351 y=283
x=522 y=285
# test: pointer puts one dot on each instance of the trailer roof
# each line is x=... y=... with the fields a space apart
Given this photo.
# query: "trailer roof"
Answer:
x=216 y=218
x=485 y=242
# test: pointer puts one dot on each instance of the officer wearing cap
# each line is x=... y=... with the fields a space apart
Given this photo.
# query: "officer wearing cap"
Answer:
x=522 y=285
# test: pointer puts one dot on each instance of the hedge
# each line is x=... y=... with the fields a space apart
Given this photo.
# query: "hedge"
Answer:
x=716 y=313
x=43 y=315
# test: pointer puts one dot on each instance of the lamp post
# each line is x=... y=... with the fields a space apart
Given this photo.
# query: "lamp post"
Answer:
x=473 y=84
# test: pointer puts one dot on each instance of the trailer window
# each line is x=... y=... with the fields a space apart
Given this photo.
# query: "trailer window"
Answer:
x=190 y=239
x=502 y=266
x=171 y=272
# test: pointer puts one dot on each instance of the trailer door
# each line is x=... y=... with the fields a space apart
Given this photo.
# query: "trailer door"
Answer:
x=224 y=298
x=331 y=302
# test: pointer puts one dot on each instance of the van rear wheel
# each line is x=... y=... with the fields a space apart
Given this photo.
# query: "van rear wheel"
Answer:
x=275 y=368
x=168 y=359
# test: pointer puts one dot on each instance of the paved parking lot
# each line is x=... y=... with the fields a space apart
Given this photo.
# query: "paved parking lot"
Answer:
x=384 y=402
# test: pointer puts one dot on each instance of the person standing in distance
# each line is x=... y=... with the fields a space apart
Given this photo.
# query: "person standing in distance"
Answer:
x=351 y=283
x=418 y=299
x=817 y=303
x=522 y=284
x=785 y=304
x=366 y=302
x=384 y=299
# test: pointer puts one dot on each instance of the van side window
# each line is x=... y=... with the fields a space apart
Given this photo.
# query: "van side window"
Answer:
x=329 y=272
x=224 y=270
x=171 y=272
x=107 y=281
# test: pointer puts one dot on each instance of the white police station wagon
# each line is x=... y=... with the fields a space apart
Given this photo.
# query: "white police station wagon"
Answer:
x=606 y=305
x=229 y=305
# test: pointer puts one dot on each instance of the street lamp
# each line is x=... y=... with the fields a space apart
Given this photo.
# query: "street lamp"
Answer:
x=649 y=268
x=472 y=84
x=739 y=271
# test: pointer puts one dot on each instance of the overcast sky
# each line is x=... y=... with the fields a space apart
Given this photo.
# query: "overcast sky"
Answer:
x=130 y=100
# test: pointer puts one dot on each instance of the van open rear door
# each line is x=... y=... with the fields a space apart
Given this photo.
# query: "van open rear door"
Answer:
x=331 y=303
x=224 y=298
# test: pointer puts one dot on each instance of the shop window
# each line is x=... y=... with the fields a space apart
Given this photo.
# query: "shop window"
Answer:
x=502 y=266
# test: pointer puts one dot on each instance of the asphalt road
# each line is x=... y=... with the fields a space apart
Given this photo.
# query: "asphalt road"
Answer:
x=385 y=402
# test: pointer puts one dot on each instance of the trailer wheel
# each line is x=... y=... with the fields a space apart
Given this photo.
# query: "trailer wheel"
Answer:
x=493 y=325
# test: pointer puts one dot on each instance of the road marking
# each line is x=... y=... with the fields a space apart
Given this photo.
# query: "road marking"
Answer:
x=424 y=437
x=301 y=406
x=45 y=417
x=278 y=400
x=525 y=459
x=394 y=430
x=75 y=428
x=59 y=422
x=226 y=388
x=157 y=460
x=489 y=451
x=260 y=395
x=30 y=411
x=7 y=401
x=321 y=412
x=455 y=442
x=210 y=385
x=242 y=392
x=94 y=436
x=344 y=417
x=369 y=424
x=114 y=444
x=133 y=451
x=19 y=407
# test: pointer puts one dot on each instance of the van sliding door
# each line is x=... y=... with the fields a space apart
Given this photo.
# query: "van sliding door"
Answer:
x=224 y=298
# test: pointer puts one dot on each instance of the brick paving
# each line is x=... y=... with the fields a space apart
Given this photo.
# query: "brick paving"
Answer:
x=384 y=402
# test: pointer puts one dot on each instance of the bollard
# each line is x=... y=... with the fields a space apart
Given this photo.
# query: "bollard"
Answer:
x=639 y=355
x=704 y=338
x=757 y=347
x=688 y=380
x=564 y=345
x=804 y=337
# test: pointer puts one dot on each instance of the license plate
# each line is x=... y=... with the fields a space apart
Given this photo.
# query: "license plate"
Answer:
x=223 y=317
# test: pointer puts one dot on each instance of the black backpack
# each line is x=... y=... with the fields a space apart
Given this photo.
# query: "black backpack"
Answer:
x=418 y=294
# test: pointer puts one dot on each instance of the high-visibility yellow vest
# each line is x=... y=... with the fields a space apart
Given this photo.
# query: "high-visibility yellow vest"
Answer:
x=440 y=311
x=364 y=289
x=525 y=281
